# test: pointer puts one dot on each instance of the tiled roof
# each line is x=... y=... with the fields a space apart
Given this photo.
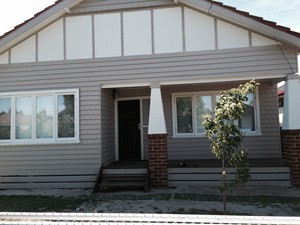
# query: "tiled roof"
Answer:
x=26 y=21
x=258 y=19
x=280 y=90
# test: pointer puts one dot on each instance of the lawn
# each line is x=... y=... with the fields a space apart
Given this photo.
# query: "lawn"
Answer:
x=139 y=202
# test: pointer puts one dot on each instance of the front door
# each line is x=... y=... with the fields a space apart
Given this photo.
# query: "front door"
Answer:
x=129 y=124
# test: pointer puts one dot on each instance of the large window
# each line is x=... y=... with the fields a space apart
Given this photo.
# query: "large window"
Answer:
x=189 y=110
x=39 y=117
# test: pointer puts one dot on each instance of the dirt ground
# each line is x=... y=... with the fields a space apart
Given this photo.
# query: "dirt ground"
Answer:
x=258 y=201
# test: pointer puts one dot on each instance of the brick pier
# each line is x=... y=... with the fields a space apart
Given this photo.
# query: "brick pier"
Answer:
x=291 y=153
x=158 y=160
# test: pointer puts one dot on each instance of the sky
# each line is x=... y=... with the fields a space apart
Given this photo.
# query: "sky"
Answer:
x=284 y=12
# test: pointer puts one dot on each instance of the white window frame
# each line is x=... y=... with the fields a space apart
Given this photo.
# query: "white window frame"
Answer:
x=34 y=95
x=213 y=94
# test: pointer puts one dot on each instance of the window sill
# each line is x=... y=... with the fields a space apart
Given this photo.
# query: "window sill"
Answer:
x=39 y=143
x=203 y=136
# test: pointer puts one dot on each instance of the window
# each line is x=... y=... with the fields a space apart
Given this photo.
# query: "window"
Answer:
x=189 y=110
x=39 y=117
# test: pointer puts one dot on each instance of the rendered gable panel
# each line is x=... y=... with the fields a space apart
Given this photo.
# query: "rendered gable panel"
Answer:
x=199 y=31
x=25 y=51
x=79 y=37
x=137 y=33
x=168 y=30
x=258 y=40
x=51 y=42
x=92 y=6
x=107 y=35
x=230 y=36
x=4 y=58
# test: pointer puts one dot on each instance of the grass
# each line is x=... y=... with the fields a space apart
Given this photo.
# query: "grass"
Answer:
x=71 y=204
x=240 y=199
x=39 y=204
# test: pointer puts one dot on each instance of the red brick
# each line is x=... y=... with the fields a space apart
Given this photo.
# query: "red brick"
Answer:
x=291 y=153
x=158 y=160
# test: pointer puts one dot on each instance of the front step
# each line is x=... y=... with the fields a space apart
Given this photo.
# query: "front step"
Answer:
x=124 y=179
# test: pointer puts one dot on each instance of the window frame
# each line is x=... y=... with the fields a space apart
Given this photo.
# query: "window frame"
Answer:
x=34 y=140
x=213 y=94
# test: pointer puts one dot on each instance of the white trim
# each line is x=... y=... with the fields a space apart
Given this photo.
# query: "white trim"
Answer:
x=34 y=95
x=194 y=134
x=157 y=122
x=196 y=81
x=23 y=93
x=116 y=131
x=291 y=108
x=124 y=85
x=256 y=115
x=117 y=157
x=244 y=21
x=141 y=129
x=225 y=79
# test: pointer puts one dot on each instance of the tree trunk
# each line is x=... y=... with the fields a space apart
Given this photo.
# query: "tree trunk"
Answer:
x=224 y=185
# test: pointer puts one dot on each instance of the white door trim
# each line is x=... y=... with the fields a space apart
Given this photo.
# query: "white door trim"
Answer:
x=140 y=98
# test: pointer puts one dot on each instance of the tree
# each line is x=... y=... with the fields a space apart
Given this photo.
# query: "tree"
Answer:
x=226 y=137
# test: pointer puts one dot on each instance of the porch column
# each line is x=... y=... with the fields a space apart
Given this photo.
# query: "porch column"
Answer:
x=291 y=126
x=157 y=136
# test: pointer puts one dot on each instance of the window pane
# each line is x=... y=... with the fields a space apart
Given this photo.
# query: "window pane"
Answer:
x=5 y=115
x=23 y=117
x=184 y=115
x=247 y=122
x=66 y=117
x=203 y=107
x=44 y=117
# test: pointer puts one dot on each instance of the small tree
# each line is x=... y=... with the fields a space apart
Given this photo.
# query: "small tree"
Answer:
x=226 y=137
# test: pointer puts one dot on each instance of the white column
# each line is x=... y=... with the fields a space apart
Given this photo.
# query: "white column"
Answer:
x=291 y=108
x=157 y=123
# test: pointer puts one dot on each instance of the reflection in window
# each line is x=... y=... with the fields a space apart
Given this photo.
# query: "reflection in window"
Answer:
x=66 y=116
x=203 y=107
x=189 y=111
x=247 y=122
x=44 y=117
x=184 y=115
x=23 y=117
x=5 y=118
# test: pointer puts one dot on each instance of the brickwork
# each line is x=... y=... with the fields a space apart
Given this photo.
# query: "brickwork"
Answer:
x=158 y=160
x=291 y=153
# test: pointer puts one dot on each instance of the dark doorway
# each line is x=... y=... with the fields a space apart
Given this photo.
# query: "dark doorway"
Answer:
x=129 y=130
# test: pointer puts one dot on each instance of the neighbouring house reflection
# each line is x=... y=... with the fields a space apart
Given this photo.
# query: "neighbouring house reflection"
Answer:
x=5 y=118
x=66 y=116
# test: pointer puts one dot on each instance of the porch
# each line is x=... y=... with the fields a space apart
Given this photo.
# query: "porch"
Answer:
x=148 y=123
x=200 y=172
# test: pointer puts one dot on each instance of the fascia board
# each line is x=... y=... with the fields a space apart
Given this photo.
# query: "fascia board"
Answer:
x=251 y=24
x=36 y=24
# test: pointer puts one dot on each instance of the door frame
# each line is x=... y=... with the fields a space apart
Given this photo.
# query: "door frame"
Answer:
x=117 y=124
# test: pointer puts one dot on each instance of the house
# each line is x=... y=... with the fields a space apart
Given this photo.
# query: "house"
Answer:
x=91 y=82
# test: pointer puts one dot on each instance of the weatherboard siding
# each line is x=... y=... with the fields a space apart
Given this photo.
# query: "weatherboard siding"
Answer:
x=107 y=127
x=229 y=64
x=57 y=165
x=266 y=145
x=79 y=163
